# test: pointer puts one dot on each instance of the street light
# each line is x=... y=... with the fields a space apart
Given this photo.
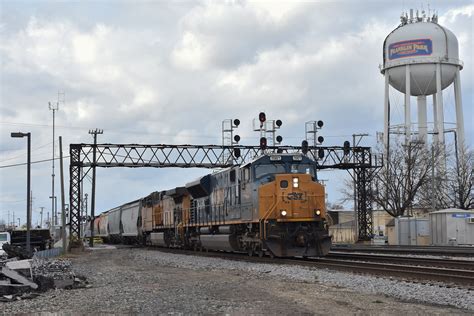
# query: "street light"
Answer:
x=28 y=186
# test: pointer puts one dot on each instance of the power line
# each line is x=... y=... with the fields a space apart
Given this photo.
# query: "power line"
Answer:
x=22 y=155
x=33 y=162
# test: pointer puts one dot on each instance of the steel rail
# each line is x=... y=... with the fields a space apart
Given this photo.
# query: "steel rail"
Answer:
x=454 y=251
x=432 y=262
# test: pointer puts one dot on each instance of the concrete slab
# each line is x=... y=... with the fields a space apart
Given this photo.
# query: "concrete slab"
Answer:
x=18 y=277
x=19 y=264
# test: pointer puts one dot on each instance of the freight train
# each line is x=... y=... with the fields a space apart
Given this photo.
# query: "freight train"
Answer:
x=272 y=205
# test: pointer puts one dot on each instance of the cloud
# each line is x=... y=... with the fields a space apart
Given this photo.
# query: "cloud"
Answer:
x=160 y=72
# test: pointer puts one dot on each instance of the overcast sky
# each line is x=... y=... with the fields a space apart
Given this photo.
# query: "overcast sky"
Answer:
x=170 y=72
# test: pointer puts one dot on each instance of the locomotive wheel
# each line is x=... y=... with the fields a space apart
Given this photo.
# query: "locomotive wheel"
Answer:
x=260 y=253
x=250 y=252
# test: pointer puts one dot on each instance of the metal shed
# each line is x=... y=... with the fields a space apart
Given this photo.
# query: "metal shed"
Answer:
x=452 y=227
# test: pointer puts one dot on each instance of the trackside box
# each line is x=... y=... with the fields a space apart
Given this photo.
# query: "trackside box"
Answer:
x=452 y=227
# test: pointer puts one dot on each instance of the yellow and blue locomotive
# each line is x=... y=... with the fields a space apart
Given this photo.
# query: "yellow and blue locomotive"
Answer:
x=270 y=205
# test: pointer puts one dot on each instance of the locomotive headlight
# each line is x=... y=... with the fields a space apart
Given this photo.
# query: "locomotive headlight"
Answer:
x=283 y=213
x=318 y=212
x=296 y=182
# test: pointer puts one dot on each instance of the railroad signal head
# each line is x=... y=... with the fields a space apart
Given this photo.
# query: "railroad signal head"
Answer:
x=237 y=152
x=278 y=123
x=236 y=122
x=320 y=124
x=236 y=138
x=321 y=153
x=263 y=143
x=347 y=147
x=262 y=117
x=320 y=139
x=304 y=146
x=279 y=139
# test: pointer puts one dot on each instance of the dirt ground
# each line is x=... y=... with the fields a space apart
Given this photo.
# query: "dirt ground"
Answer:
x=121 y=283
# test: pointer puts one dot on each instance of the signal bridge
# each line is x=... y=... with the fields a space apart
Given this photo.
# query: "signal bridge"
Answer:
x=86 y=157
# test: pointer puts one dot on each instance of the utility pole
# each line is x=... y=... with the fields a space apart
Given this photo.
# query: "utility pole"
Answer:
x=94 y=133
x=354 y=175
x=53 y=107
x=41 y=216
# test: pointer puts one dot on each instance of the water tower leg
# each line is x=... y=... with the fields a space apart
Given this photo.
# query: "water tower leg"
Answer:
x=386 y=116
x=422 y=120
x=435 y=120
x=407 y=105
x=439 y=106
x=459 y=113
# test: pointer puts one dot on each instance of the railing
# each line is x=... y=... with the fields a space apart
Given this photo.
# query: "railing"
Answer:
x=48 y=253
x=263 y=221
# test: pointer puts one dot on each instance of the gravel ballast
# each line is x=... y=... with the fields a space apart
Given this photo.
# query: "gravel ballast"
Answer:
x=133 y=280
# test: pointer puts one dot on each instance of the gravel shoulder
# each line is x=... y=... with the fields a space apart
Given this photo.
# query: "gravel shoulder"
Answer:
x=141 y=281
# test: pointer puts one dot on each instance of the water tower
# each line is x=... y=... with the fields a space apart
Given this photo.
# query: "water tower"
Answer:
x=421 y=58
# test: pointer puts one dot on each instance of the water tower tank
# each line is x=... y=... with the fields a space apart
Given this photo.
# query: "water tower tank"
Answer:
x=420 y=44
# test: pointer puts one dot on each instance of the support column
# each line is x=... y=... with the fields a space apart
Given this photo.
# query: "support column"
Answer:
x=459 y=113
x=407 y=105
x=439 y=106
x=435 y=121
x=386 y=116
x=422 y=120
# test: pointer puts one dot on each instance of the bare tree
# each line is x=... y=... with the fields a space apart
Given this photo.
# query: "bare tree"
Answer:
x=460 y=180
x=452 y=187
x=405 y=172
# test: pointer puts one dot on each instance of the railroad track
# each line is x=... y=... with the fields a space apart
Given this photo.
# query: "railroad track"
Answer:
x=420 y=270
x=431 y=262
x=454 y=251
x=423 y=274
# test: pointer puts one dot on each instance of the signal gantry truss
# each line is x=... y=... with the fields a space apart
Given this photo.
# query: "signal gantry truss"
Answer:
x=213 y=156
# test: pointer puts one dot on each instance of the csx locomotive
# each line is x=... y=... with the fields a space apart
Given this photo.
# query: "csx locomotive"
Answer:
x=272 y=205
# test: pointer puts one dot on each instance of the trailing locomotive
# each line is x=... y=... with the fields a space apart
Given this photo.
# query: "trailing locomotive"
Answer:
x=272 y=205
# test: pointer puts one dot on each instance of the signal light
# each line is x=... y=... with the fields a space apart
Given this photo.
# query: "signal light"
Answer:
x=304 y=146
x=320 y=124
x=320 y=139
x=347 y=147
x=279 y=139
x=236 y=138
x=237 y=152
x=263 y=143
x=278 y=123
x=236 y=122
x=321 y=153
x=262 y=117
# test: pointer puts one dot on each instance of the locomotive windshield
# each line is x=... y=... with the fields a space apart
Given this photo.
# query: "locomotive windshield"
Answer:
x=262 y=170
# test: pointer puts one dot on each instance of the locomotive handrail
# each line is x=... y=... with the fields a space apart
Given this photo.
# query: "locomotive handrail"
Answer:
x=265 y=217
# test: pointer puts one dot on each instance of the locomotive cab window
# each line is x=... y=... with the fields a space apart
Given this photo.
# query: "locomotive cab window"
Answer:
x=264 y=170
x=246 y=174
